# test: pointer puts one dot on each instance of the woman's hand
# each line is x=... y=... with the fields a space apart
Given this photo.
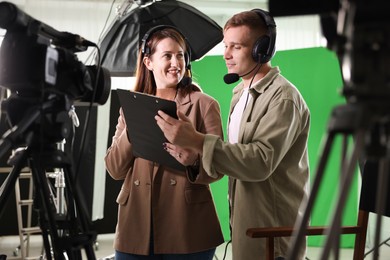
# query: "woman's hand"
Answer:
x=186 y=157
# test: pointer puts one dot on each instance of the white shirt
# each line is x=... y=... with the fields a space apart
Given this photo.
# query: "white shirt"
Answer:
x=236 y=115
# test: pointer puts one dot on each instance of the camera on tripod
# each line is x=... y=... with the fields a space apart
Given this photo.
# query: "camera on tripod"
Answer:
x=38 y=64
x=40 y=70
x=358 y=32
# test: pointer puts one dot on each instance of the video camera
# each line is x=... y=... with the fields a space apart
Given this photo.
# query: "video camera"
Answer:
x=39 y=66
x=358 y=32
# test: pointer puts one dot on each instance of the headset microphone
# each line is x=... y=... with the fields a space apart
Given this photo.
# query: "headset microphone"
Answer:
x=231 y=78
x=234 y=77
x=186 y=80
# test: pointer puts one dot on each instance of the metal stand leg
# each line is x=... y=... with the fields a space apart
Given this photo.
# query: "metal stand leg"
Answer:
x=379 y=245
x=352 y=122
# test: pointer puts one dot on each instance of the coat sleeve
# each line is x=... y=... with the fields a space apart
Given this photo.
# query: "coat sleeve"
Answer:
x=119 y=157
x=256 y=159
x=208 y=122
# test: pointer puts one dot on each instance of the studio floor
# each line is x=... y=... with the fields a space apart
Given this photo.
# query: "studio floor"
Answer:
x=104 y=250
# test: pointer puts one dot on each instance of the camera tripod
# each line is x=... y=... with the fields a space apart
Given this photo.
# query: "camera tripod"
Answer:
x=64 y=234
x=367 y=125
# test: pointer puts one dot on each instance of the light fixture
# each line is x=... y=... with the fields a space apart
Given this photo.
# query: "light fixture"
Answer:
x=119 y=46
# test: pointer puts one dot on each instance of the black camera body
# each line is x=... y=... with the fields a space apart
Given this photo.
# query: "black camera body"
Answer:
x=30 y=67
x=39 y=66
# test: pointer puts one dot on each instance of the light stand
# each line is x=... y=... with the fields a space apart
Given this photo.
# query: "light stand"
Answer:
x=59 y=183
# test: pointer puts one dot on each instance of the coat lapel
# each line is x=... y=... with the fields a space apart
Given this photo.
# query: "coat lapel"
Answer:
x=183 y=103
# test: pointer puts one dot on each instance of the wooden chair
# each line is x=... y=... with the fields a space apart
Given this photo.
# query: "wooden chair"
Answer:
x=270 y=233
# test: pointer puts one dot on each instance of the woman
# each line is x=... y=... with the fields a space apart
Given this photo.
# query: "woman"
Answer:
x=166 y=213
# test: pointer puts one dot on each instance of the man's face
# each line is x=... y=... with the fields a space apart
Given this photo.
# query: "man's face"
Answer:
x=238 y=43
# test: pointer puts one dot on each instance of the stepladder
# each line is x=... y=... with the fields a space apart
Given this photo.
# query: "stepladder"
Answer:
x=24 y=211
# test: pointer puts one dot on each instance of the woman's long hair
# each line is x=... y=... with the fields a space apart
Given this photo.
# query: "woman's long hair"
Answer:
x=144 y=81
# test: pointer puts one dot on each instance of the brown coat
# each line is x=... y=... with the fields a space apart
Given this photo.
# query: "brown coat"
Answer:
x=182 y=212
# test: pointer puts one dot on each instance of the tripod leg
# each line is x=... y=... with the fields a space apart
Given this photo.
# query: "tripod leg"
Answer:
x=82 y=221
x=381 y=197
x=9 y=183
x=45 y=237
x=333 y=231
x=47 y=207
x=303 y=220
x=344 y=151
x=68 y=232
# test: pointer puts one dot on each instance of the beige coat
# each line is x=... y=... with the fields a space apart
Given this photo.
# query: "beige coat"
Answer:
x=181 y=212
x=268 y=168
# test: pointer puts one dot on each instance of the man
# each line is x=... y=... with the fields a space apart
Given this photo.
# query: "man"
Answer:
x=266 y=158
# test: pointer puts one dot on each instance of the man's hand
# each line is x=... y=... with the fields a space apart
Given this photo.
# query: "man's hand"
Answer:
x=180 y=132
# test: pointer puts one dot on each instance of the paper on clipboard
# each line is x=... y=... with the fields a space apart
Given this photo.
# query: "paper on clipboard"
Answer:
x=146 y=136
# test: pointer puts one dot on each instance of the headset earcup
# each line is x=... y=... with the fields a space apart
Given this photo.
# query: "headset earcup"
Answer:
x=260 y=49
x=187 y=60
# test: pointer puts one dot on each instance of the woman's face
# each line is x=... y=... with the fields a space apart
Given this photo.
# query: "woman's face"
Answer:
x=167 y=63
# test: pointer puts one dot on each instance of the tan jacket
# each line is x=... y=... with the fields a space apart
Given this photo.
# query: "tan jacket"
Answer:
x=269 y=168
x=181 y=212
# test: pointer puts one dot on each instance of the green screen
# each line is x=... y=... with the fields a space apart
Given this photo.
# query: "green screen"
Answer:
x=316 y=73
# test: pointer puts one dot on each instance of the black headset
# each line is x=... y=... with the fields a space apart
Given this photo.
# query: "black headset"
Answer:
x=146 y=50
x=264 y=47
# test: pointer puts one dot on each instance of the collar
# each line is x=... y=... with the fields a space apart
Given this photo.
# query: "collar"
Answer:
x=260 y=86
x=181 y=99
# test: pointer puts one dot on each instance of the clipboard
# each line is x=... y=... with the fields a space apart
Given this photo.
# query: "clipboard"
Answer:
x=146 y=136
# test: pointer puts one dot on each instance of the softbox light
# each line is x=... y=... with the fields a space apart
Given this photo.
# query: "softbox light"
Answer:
x=119 y=47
